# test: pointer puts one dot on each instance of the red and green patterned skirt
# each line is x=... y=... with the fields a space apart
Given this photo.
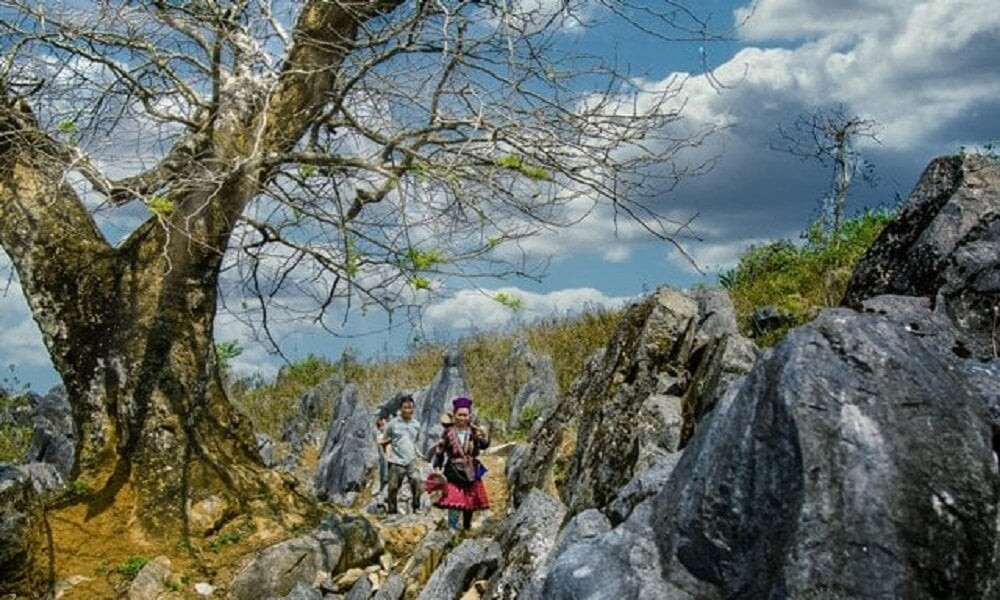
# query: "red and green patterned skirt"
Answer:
x=472 y=497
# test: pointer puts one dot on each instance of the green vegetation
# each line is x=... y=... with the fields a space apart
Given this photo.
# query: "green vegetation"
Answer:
x=14 y=439
x=131 y=567
x=800 y=279
x=271 y=405
x=225 y=352
x=222 y=541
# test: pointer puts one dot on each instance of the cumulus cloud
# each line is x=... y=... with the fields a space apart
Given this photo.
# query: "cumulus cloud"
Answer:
x=479 y=310
x=22 y=342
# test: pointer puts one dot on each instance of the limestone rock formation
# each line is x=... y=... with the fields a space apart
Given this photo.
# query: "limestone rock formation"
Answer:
x=450 y=382
x=526 y=538
x=663 y=369
x=944 y=245
x=540 y=391
x=530 y=465
x=339 y=544
x=471 y=560
x=349 y=452
x=316 y=404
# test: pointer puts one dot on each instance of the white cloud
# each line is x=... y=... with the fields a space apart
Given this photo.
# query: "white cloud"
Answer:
x=477 y=310
x=22 y=342
x=712 y=257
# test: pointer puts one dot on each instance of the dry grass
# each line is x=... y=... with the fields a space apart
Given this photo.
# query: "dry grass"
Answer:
x=494 y=376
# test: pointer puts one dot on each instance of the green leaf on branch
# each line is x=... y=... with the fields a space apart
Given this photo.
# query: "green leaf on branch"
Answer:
x=307 y=171
x=422 y=260
x=516 y=163
x=511 y=301
x=67 y=127
x=160 y=205
x=352 y=262
x=226 y=351
x=420 y=283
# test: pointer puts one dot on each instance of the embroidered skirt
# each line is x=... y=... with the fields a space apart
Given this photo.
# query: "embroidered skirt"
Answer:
x=472 y=497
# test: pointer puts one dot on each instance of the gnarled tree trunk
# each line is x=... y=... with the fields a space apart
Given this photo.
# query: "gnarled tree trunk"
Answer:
x=130 y=331
x=129 y=328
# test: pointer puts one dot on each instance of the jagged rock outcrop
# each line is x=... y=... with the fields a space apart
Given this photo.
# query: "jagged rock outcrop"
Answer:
x=526 y=538
x=530 y=465
x=339 y=544
x=668 y=361
x=540 y=391
x=45 y=477
x=23 y=560
x=349 y=452
x=449 y=383
x=826 y=473
x=944 y=245
x=473 y=559
x=856 y=461
x=316 y=404
x=53 y=431
x=266 y=449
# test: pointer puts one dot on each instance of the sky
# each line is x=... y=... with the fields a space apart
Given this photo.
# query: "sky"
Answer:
x=926 y=71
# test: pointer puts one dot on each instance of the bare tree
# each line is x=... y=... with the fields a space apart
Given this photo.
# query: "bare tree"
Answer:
x=829 y=137
x=306 y=158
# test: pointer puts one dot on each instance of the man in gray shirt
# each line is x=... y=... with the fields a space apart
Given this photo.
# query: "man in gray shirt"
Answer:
x=400 y=435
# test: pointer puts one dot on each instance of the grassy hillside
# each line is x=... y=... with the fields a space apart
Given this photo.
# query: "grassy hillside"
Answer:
x=494 y=377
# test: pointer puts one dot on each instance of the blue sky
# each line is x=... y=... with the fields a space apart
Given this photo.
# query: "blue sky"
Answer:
x=925 y=70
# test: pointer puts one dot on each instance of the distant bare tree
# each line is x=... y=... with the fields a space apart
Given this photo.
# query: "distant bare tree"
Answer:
x=829 y=137
x=311 y=158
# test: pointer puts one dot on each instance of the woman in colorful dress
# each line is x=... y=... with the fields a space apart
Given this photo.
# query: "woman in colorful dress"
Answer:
x=457 y=454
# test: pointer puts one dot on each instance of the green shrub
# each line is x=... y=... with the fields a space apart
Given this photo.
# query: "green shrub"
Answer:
x=131 y=567
x=14 y=439
x=800 y=279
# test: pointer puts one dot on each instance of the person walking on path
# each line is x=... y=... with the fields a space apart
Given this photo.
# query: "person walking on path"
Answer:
x=400 y=439
x=457 y=453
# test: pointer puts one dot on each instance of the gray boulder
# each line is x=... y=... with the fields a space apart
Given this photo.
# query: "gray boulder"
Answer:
x=472 y=560
x=361 y=590
x=265 y=448
x=302 y=591
x=317 y=404
x=149 y=581
x=339 y=544
x=449 y=383
x=23 y=563
x=349 y=453
x=824 y=475
x=539 y=391
x=646 y=484
x=278 y=569
x=53 y=440
x=944 y=245
x=392 y=588
x=618 y=563
x=526 y=538
x=44 y=477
